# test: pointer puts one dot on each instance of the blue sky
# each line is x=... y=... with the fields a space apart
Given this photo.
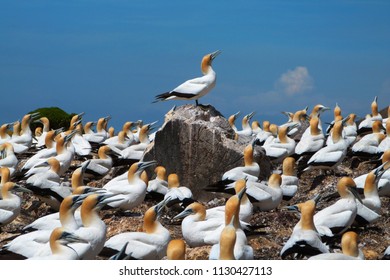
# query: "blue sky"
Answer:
x=112 y=57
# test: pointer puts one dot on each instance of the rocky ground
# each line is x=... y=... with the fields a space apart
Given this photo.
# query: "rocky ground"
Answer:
x=275 y=226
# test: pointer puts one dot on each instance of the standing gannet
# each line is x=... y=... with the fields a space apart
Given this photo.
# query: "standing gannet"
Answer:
x=8 y=157
x=94 y=229
x=305 y=239
x=246 y=128
x=131 y=191
x=366 y=124
x=45 y=129
x=315 y=113
x=23 y=141
x=368 y=144
x=329 y=157
x=10 y=204
x=120 y=141
x=242 y=251
x=195 y=88
x=81 y=146
x=349 y=247
x=338 y=217
x=158 y=187
x=59 y=246
x=151 y=244
x=350 y=129
x=176 y=249
x=177 y=194
x=282 y=146
x=384 y=181
x=5 y=177
x=290 y=182
x=384 y=145
x=45 y=153
x=311 y=142
x=99 y=167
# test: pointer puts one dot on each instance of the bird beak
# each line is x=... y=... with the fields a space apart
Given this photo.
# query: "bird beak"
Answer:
x=214 y=54
x=380 y=170
x=84 y=165
x=292 y=208
x=183 y=214
x=34 y=116
x=104 y=199
x=250 y=115
x=241 y=193
x=323 y=109
x=73 y=238
x=143 y=165
x=355 y=194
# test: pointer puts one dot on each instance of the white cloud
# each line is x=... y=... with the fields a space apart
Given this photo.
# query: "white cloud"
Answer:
x=295 y=81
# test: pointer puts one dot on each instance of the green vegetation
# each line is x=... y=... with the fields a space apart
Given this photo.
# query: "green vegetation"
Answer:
x=57 y=117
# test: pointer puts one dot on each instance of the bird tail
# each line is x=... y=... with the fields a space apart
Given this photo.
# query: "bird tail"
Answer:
x=161 y=97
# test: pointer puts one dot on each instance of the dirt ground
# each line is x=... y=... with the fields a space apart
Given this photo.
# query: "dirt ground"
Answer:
x=274 y=229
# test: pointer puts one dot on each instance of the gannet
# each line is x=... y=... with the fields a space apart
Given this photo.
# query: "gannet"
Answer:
x=4 y=136
x=151 y=244
x=136 y=151
x=232 y=121
x=101 y=134
x=384 y=145
x=176 y=249
x=133 y=190
x=227 y=242
x=368 y=144
x=311 y=142
x=384 y=182
x=5 y=177
x=339 y=216
x=315 y=113
x=337 y=116
x=250 y=171
x=282 y=146
x=59 y=245
x=159 y=185
x=242 y=251
x=94 y=229
x=304 y=240
x=272 y=188
x=46 y=185
x=45 y=153
x=65 y=217
x=349 y=247
x=10 y=203
x=290 y=182
x=99 y=167
x=256 y=128
x=176 y=193
x=246 y=207
x=264 y=134
x=8 y=157
x=16 y=129
x=366 y=124
x=246 y=128
x=64 y=155
x=81 y=146
x=329 y=157
x=195 y=88
x=45 y=129
x=296 y=120
x=23 y=142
